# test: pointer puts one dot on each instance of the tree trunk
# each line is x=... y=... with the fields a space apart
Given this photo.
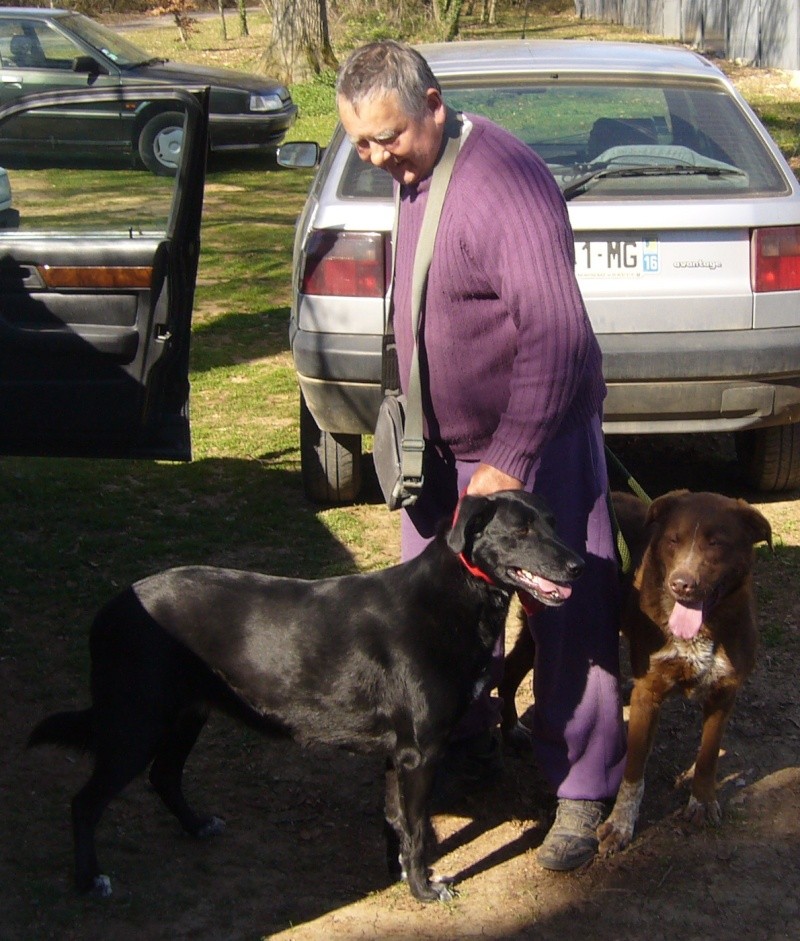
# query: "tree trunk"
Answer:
x=224 y=27
x=300 y=45
x=243 y=28
x=447 y=16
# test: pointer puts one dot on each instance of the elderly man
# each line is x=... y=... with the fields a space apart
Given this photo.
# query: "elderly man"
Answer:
x=512 y=398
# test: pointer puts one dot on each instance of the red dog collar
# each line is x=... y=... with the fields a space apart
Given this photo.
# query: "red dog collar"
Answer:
x=472 y=569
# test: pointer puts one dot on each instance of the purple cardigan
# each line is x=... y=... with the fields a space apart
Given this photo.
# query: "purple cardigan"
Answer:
x=508 y=356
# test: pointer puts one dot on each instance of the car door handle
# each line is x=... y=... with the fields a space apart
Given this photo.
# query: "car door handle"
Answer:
x=20 y=278
x=12 y=80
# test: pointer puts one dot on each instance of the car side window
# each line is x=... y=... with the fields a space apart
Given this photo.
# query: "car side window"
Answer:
x=27 y=45
x=48 y=185
x=39 y=46
x=57 y=51
x=25 y=51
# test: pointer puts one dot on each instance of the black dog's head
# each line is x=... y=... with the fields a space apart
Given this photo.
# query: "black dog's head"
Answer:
x=510 y=537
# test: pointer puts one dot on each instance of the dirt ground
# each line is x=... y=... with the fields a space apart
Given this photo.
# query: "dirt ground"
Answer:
x=302 y=856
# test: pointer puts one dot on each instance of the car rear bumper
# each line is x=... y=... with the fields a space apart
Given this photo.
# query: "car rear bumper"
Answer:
x=670 y=383
x=340 y=378
x=701 y=382
x=249 y=131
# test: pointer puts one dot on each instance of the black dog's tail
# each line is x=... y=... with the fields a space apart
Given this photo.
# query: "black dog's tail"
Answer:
x=71 y=729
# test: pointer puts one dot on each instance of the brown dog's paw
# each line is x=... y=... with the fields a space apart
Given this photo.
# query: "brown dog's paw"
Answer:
x=612 y=838
x=617 y=832
x=699 y=813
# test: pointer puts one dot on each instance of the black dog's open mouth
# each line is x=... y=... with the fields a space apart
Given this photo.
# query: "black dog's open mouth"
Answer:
x=541 y=588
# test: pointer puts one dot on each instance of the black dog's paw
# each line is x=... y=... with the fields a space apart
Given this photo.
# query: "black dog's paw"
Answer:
x=518 y=740
x=444 y=888
x=100 y=887
x=211 y=827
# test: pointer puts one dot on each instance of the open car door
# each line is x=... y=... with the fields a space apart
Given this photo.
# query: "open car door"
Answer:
x=98 y=263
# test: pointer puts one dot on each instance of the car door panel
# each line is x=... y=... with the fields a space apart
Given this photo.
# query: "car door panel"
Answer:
x=96 y=293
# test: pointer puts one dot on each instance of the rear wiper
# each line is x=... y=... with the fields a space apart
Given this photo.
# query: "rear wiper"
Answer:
x=588 y=180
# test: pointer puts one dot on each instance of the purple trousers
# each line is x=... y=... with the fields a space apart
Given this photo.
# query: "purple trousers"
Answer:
x=578 y=733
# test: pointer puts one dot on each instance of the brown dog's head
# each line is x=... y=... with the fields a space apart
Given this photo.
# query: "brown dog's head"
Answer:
x=703 y=545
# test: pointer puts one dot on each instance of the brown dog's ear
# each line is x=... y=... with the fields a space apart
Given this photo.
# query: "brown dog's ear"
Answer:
x=472 y=514
x=757 y=524
x=662 y=505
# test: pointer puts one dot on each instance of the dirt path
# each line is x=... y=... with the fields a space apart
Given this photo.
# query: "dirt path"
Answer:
x=303 y=858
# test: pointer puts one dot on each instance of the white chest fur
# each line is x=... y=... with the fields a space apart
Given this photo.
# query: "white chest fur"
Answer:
x=705 y=663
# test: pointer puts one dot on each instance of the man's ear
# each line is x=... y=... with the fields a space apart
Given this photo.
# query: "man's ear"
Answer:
x=436 y=106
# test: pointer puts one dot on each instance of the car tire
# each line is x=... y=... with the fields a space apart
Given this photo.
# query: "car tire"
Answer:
x=330 y=463
x=160 y=142
x=770 y=457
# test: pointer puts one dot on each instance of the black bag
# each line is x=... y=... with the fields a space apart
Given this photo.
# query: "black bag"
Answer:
x=387 y=453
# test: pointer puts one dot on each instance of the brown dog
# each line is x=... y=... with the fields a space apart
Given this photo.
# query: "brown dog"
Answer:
x=691 y=626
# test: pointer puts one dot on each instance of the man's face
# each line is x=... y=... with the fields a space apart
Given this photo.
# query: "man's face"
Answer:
x=383 y=134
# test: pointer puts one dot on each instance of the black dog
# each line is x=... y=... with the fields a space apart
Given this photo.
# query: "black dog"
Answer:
x=382 y=662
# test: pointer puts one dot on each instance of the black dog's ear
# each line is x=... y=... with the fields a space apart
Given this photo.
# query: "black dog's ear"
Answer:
x=472 y=515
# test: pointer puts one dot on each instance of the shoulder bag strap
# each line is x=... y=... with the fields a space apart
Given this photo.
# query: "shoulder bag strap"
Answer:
x=413 y=442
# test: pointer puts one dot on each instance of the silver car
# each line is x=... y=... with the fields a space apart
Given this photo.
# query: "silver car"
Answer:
x=687 y=244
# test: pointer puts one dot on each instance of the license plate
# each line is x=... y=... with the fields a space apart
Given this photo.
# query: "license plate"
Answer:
x=616 y=258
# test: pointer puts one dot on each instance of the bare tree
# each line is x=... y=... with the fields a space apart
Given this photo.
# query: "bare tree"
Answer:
x=180 y=11
x=242 y=7
x=224 y=26
x=300 y=45
x=447 y=14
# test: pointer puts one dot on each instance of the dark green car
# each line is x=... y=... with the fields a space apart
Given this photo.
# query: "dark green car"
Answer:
x=44 y=50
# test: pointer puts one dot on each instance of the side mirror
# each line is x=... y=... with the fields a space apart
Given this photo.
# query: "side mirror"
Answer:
x=304 y=154
x=87 y=64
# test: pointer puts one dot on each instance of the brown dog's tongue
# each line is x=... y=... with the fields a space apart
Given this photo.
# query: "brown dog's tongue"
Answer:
x=686 y=621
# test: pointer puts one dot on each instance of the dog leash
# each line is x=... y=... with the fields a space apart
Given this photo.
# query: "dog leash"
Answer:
x=622 y=547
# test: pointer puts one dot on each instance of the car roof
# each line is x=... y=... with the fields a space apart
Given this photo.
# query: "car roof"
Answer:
x=40 y=12
x=486 y=57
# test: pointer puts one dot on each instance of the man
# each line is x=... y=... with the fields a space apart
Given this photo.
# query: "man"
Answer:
x=512 y=398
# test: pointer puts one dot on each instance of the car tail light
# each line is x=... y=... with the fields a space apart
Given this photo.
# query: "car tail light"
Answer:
x=348 y=264
x=776 y=259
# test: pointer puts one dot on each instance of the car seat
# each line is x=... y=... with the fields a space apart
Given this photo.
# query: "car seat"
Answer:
x=25 y=53
x=616 y=132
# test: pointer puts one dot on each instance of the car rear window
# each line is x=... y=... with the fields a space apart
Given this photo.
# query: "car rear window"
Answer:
x=632 y=139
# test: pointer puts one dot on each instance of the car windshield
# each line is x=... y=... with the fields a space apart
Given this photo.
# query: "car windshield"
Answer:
x=114 y=47
x=667 y=140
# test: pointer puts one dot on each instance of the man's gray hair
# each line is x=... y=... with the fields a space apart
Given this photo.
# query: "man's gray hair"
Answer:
x=378 y=68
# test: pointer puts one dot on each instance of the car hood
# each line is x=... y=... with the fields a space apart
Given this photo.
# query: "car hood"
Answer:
x=181 y=73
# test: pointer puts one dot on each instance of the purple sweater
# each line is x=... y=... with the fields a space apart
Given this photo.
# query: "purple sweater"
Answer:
x=508 y=356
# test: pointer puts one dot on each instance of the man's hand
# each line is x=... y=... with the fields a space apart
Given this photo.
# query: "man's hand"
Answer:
x=488 y=479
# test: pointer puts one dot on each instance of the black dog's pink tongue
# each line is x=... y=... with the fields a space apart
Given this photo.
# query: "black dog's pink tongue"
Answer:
x=686 y=620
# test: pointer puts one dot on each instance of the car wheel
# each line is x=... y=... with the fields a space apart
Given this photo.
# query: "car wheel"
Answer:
x=330 y=463
x=770 y=457
x=160 y=143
